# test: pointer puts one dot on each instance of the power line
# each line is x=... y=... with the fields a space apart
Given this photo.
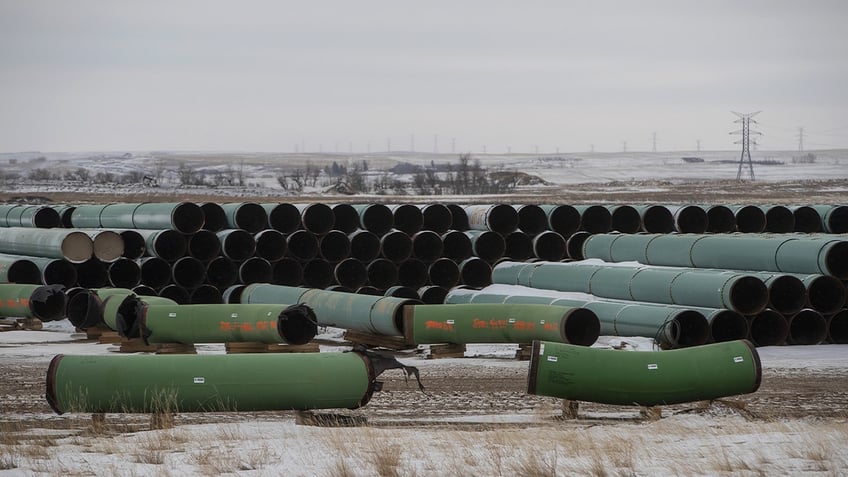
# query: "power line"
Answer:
x=746 y=120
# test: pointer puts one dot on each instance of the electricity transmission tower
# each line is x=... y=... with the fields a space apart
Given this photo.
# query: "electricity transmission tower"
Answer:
x=746 y=120
x=801 y=139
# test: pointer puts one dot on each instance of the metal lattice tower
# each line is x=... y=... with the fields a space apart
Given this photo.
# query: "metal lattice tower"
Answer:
x=746 y=133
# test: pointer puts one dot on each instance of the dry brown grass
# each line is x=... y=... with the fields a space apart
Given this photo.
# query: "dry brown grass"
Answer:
x=385 y=457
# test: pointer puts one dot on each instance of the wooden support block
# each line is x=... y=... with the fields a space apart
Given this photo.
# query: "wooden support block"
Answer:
x=438 y=351
x=524 y=351
x=94 y=332
x=9 y=324
x=255 y=347
x=570 y=409
x=175 y=348
x=381 y=341
x=651 y=413
x=110 y=337
x=136 y=345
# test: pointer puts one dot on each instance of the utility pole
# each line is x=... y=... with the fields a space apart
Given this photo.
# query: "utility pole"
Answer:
x=801 y=139
x=698 y=145
x=654 y=142
x=537 y=149
x=591 y=148
x=746 y=120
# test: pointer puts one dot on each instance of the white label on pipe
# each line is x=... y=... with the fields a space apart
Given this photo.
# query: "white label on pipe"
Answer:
x=234 y=315
x=652 y=366
x=512 y=320
x=199 y=380
x=541 y=349
x=552 y=359
x=172 y=315
x=738 y=359
x=541 y=322
x=450 y=322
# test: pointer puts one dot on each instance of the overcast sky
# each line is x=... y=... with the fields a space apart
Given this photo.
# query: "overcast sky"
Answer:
x=335 y=74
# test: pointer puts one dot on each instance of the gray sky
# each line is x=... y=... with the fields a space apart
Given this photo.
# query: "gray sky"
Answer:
x=269 y=76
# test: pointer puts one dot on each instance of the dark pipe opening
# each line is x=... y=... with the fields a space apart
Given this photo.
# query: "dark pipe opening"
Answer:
x=232 y=294
x=564 y=220
x=48 y=302
x=59 y=272
x=502 y=219
x=369 y=290
x=221 y=272
x=382 y=274
x=475 y=272
x=626 y=219
x=400 y=291
x=237 y=244
x=302 y=245
x=204 y=245
x=339 y=288
x=46 y=218
x=396 y=246
x=826 y=294
x=727 y=325
x=657 y=219
x=155 y=271
x=351 y=273
x=176 y=293
x=250 y=217
x=144 y=290
x=346 y=218
x=691 y=219
x=170 y=245
x=412 y=273
x=215 y=218
x=787 y=294
x=408 y=218
x=596 y=220
x=437 y=218
x=519 y=246
x=124 y=273
x=750 y=219
x=444 y=272
x=433 y=294
x=427 y=245
x=580 y=327
x=187 y=218
x=807 y=220
x=83 y=309
x=206 y=294
x=779 y=220
x=749 y=295
x=287 y=272
x=188 y=272
x=532 y=219
x=284 y=218
x=126 y=316
x=807 y=327
x=693 y=329
x=456 y=245
x=838 y=328
x=255 y=270
x=364 y=245
x=133 y=244
x=574 y=245
x=489 y=246
x=317 y=274
x=66 y=215
x=297 y=324
x=768 y=328
x=270 y=245
x=25 y=271
x=459 y=219
x=720 y=219
x=836 y=259
x=549 y=246
x=377 y=218
x=91 y=274
x=334 y=246
x=837 y=222
x=318 y=218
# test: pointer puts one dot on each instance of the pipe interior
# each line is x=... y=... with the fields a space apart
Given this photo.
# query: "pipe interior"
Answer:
x=807 y=327
x=532 y=219
x=836 y=259
x=221 y=272
x=255 y=270
x=187 y=218
x=657 y=220
x=364 y=245
x=749 y=295
x=382 y=273
x=302 y=245
x=596 y=220
x=581 y=327
x=412 y=273
x=838 y=328
x=787 y=294
x=297 y=324
x=239 y=245
x=335 y=246
x=769 y=328
x=318 y=218
x=826 y=294
x=284 y=218
x=170 y=245
x=204 y=245
x=728 y=325
x=408 y=218
x=345 y=218
x=270 y=244
x=251 y=217
x=720 y=219
x=692 y=220
x=287 y=272
x=807 y=220
x=693 y=328
x=626 y=219
x=317 y=274
x=214 y=217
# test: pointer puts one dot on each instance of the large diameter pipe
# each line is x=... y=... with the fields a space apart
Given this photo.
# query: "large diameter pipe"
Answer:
x=334 y=246
x=364 y=245
x=779 y=219
x=45 y=302
x=407 y=218
x=532 y=219
x=215 y=219
x=500 y=218
x=206 y=383
x=562 y=219
x=834 y=218
x=412 y=273
x=459 y=219
x=519 y=246
x=237 y=244
x=427 y=246
x=317 y=274
x=350 y=273
x=270 y=245
x=595 y=219
x=124 y=273
x=807 y=219
x=574 y=244
x=87 y=216
x=107 y=245
x=65 y=212
x=725 y=325
x=317 y=218
x=768 y=328
x=825 y=294
x=255 y=270
x=837 y=327
x=248 y=216
x=549 y=246
x=188 y=272
x=302 y=245
x=625 y=218
x=382 y=273
x=456 y=245
x=32 y=216
x=475 y=272
x=487 y=245
x=807 y=327
x=165 y=244
x=436 y=218
x=176 y=293
x=55 y=271
x=184 y=217
x=372 y=314
x=498 y=323
x=282 y=217
x=221 y=272
x=433 y=294
x=72 y=245
x=376 y=218
x=720 y=219
x=345 y=218
x=690 y=219
x=204 y=245
x=749 y=218
x=656 y=219
x=444 y=272
x=92 y=274
x=287 y=272
x=648 y=378
x=134 y=246
x=295 y=324
x=19 y=269
x=155 y=271
x=402 y=291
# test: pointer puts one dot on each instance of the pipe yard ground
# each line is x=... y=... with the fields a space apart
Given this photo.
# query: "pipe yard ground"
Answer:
x=476 y=417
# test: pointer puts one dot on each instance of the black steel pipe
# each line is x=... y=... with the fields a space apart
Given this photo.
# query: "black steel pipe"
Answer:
x=317 y=273
x=475 y=272
x=215 y=219
x=204 y=245
x=436 y=217
x=302 y=245
x=287 y=271
x=92 y=273
x=124 y=273
x=549 y=246
x=334 y=246
x=221 y=272
x=720 y=219
x=433 y=294
x=282 y=217
x=519 y=246
x=237 y=244
x=382 y=273
x=345 y=218
x=407 y=218
x=396 y=246
x=206 y=294
x=317 y=218
x=768 y=328
x=364 y=245
x=270 y=244
x=807 y=327
x=255 y=270
x=427 y=246
x=155 y=272
x=574 y=245
x=351 y=273
x=532 y=219
x=248 y=216
x=412 y=273
x=444 y=272
x=188 y=272
x=456 y=245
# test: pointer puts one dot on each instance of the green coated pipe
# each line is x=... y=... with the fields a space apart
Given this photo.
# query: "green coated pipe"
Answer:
x=220 y=323
x=19 y=269
x=248 y=216
x=380 y=315
x=499 y=323
x=87 y=216
x=72 y=245
x=31 y=216
x=115 y=303
x=834 y=218
x=649 y=378
x=208 y=382
x=562 y=219
x=45 y=302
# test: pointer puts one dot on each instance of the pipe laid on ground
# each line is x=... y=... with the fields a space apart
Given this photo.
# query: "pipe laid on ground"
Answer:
x=807 y=219
x=444 y=272
x=519 y=246
x=155 y=271
x=377 y=218
x=248 y=216
x=166 y=244
x=768 y=328
x=562 y=219
x=779 y=219
x=345 y=218
x=350 y=273
x=456 y=245
x=302 y=245
x=436 y=218
x=204 y=245
x=282 y=217
x=317 y=218
x=749 y=218
x=594 y=219
x=373 y=314
x=215 y=383
x=45 y=302
x=649 y=378
x=549 y=246
x=624 y=218
x=20 y=269
x=834 y=218
x=499 y=323
x=407 y=218
x=807 y=327
x=72 y=245
x=720 y=219
x=334 y=246
x=486 y=244
x=413 y=273
x=427 y=246
x=215 y=219
x=532 y=219
x=500 y=218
